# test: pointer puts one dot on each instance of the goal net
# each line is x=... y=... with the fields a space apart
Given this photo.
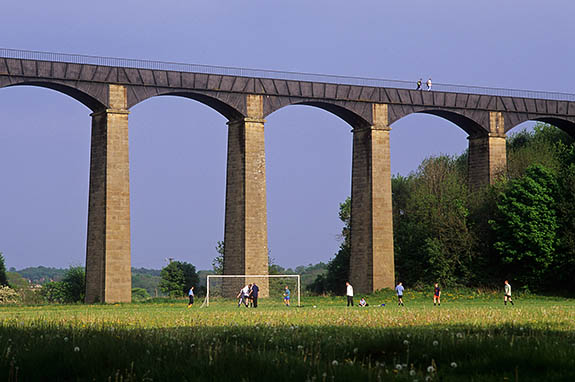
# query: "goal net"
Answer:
x=228 y=286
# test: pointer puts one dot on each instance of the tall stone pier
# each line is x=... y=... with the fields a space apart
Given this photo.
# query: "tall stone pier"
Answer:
x=108 y=270
x=487 y=154
x=372 y=263
x=246 y=237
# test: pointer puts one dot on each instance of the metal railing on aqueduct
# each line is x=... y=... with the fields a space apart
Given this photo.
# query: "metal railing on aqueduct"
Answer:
x=273 y=74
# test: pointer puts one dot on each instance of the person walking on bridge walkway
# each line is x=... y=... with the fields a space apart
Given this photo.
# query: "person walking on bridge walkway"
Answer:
x=419 y=84
x=429 y=84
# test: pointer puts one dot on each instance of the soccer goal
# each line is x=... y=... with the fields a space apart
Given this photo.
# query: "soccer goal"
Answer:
x=219 y=280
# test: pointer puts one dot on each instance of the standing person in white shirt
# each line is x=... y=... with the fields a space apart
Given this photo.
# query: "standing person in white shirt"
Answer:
x=507 y=296
x=349 y=293
x=429 y=84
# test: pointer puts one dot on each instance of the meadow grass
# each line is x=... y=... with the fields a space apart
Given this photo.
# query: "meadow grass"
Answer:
x=472 y=336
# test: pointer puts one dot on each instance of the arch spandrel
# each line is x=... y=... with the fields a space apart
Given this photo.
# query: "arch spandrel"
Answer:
x=94 y=97
x=356 y=114
x=230 y=105
x=470 y=121
x=566 y=123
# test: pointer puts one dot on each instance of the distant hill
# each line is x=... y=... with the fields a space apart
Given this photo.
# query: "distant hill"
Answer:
x=141 y=277
x=149 y=279
x=41 y=275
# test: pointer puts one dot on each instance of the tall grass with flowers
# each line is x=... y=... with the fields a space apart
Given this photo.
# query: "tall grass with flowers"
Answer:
x=472 y=336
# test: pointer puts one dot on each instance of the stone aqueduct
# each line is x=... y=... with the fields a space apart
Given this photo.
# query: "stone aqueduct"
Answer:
x=110 y=87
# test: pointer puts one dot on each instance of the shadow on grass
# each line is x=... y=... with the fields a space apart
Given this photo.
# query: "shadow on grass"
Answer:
x=288 y=353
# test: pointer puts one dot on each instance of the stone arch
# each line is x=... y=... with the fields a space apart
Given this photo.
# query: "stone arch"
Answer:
x=566 y=124
x=232 y=106
x=356 y=114
x=92 y=102
x=473 y=125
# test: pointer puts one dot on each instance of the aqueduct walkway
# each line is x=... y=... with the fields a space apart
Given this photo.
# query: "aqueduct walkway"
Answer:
x=111 y=86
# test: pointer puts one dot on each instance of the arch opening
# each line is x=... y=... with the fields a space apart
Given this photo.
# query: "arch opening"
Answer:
x=44 y=162
x=410 y=139
x=308 y=169
x=177 y=181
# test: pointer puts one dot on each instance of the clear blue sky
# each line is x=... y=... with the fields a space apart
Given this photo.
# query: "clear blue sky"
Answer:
x=178 y=146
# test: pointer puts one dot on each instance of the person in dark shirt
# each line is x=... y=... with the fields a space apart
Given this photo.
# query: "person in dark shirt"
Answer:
x=254 y=294
x=436 y=295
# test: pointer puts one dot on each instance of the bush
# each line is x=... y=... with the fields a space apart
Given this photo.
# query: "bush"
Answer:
x=139 y=294
x=54 y=291
x=70 y=290
x=8 y=295
x=75 y=284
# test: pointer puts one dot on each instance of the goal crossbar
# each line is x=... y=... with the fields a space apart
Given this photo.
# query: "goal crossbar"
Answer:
x=207 y=301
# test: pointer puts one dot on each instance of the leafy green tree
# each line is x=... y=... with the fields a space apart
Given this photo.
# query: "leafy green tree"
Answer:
x=563 y=268
x=218 y=262
x=70 y=290
x=75 y=284
x=54 y=291
x=191 y=277
x=172 y=281
x=526 y=223
x=178 y=277
x=3 y=278
x=432 y=238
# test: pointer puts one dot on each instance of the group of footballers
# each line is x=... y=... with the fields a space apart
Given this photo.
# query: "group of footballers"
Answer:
x=249 y=295
x=399 y=289
x=437 y=294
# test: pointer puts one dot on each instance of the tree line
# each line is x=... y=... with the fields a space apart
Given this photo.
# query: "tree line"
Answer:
x=521 y=228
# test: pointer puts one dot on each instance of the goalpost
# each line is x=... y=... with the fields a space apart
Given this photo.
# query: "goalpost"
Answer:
x=207 y=300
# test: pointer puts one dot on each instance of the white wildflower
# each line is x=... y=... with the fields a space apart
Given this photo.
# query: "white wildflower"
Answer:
x=412 y=372
x=398 y=366
x=334 y=363
x=435 y=343
x=76 y=349
x=453 y=365
x=405 y=342
x=430 y=369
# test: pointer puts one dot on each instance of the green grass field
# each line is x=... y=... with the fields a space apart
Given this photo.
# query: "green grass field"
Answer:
x=471 y=337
